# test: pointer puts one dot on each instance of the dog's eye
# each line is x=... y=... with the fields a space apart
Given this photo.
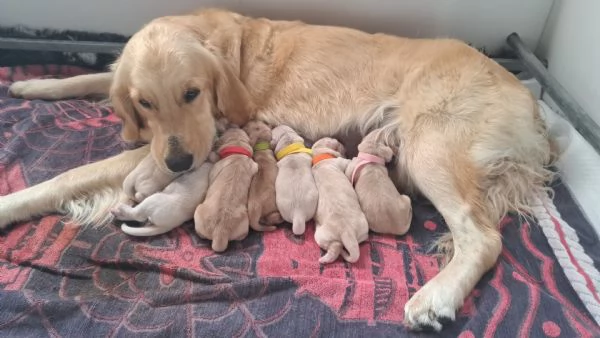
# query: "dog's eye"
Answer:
x=145 y=104
x=190 y=95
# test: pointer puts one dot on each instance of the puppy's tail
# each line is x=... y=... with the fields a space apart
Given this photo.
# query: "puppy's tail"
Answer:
x=298 y=223
x=220 y=241
x=147 y=230
x=254 y=213
x=274 y=218
x=333 y=252
x=351 y=245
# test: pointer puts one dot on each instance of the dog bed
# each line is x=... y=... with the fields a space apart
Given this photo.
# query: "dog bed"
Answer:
x=58 y=279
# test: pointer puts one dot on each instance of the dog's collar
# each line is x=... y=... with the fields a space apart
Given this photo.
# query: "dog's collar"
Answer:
x=234 y=150
x=318 y=158
x=363 y=160
x=293 y=148
x=262 y=146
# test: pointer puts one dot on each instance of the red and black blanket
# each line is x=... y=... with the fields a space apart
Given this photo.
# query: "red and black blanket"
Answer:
x=58 y=279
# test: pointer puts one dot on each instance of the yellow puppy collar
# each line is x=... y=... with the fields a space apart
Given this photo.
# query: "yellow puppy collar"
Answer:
x=293 y=148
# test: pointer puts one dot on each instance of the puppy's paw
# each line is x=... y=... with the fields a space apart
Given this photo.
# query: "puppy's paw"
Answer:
x=431 y=308
x=43 y=89
x=119 y=212
x=139 y=197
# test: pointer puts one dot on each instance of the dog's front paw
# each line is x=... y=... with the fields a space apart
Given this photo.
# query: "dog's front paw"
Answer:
x=432 y=307
x=45 y=89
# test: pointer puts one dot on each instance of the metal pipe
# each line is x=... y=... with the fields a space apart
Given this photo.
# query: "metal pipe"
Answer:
x=61 y=45
x=572 y=111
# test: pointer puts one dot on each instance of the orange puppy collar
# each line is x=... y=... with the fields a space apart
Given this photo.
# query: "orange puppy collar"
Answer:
x=318 y=158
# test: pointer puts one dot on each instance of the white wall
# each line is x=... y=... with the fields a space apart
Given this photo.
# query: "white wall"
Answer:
x=484 y=23
x=571 y=43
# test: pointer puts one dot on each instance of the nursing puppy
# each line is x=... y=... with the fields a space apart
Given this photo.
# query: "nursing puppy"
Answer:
x=296 y=192
x=387 y=211
x=262 y=205
x=168 y=209
x=146 y=179
x=340 y=221
x=223 y=216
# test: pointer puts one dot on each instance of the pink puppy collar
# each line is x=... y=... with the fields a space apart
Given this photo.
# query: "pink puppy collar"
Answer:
x=364 y=159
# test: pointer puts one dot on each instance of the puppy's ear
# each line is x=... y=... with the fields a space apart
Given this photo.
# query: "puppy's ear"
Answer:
x=341 y=149
x=221 y=124
x=386 y=152
x=233 y=99
x=213 y=157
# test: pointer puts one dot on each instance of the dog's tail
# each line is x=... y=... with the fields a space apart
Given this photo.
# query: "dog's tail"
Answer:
x=333 y=252
x=351 y=244
x=298 y=223
x=148 y=229
x=220 y=241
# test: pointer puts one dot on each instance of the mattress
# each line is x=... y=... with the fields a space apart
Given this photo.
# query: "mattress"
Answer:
x=60 y=279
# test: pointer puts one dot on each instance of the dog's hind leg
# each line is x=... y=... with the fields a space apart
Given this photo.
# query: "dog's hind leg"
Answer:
x=79 y=184
x=333 y=252
x=56 y=89
x=448 y=178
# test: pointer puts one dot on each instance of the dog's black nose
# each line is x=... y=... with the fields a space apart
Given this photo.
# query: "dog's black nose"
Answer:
x=179 y=163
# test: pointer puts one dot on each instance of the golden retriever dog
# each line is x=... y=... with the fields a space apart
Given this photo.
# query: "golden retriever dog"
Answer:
x=387 y=211
x=296 y=192
x=167 y=209
x=340 y=222
x=262 y=205
x=223 y=216
x=469 y=135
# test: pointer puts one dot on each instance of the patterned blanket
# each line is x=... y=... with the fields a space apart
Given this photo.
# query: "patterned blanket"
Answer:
x=58 y=279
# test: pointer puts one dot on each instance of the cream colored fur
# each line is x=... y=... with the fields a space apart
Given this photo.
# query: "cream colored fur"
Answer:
x=223 y=216
x=262 y=204
x=146 y=179
x=387 y=211
x=296 y=192
x=469 y=136
x=167 y=209
x=339 y=219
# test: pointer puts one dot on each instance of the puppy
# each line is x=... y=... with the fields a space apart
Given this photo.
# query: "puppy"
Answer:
x=387 y=211
x=295 y=189
x=223 y=216
x=146 y=179
x=339 y=219
x=262 y=205
x=168 y=209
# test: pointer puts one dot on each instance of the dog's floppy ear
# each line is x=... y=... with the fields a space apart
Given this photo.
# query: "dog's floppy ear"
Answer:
x=233 y=99
x=133 y=122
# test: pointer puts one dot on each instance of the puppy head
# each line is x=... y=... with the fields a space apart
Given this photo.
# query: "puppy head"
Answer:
x=258 y=131
x=234 y=136
x=328 y=145
x=283 y=135
x=374 y=144
x=168 y=88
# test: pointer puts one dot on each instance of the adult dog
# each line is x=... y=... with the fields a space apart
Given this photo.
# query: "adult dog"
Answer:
x=469 y=136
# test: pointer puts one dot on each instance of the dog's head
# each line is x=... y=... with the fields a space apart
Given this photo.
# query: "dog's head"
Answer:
x=169 y=86
x=329 y=145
